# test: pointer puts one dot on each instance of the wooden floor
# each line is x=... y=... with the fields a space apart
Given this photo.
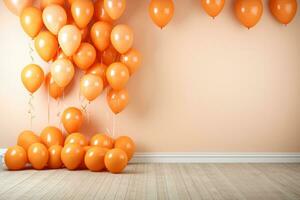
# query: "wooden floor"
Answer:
x=157 y=181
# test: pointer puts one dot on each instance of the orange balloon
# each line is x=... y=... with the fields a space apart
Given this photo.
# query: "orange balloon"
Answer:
x=102 y=140
x=62 y=71
x=54 y=161
x=72 y=119
x=126 y=144
x=161 y=12
x=46 y=45
x=15 y=158
x=85 y=56
x=60 y=54
x=248 y=12
x=27 y=138
x=54 y=90
x=69 y=38
x=82 y=164
x=100 y=35
x=76 y=138
x=82 y=12
x=117 y=75
x=32 y=77
x=283 y=10
x=91 y=86
x=94 y=159
x=109 y=55
x=45 y=3
x=122 y=38
x=38 y=155
x=54 y=18
x=72 y=156
x=52 y=136
x=115 y=160
x=132 y=59
x=17 y=6
x=115 y=8
x=31 y=21
x=117 y=100
x=100 y=13
x=213 y=7
x=99 y=69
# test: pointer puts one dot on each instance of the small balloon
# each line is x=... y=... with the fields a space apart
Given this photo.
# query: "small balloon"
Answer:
x=91 y=86
x=17 y=6
x=72 y=155
x=100 y=13
x=109 y=55
x=99 y=69
x=55 y=91
x=126 y=144
x=115 y=8
x=115 y=160
x=100 y=35
x=72 y=119
x=213 y=7
x=45 y=3
x=27 y=138
x=161 y=12
x=31 y=21
x=38 y=156
x=52 y=136
x=54 y=18
x=32 y=77
x=62 y=71
x=117 y=75
x=85 y=56
x=122 y=38
x=76 y=138
x=102 y=140
x=132 y=59
x=54 y=161
x=117 y=100
x=82 y=12
x=94 y=159
x=69 y=38
x=283 y=10
x=46 y=45
x=15 y=158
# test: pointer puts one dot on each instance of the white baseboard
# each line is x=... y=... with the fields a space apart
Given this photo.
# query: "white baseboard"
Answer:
x=203 y=157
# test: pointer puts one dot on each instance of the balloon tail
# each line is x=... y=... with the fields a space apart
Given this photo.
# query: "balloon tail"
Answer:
x=31 y=109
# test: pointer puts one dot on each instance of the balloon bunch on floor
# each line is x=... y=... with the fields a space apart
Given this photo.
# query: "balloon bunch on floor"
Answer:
x=84 y=34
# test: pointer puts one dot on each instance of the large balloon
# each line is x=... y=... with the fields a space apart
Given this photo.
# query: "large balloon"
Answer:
x=31 y=21
x=51 y=136
x=99 y=69
x=72 y=119
x=38 y=155
x=283 y=10
x=122 y=38
x=54 y=161
x=15 y=158
x=32 y=77
x=248 y=12
x=102 y=140
x=54 y=90
x=77 y=138
x=109 y=55
x=100 y=35
x=54 y=17
x=72 y=156
x=45 y=3
x=17 y=6
x=117 y=75
x=132 y=59
x=27 y=138
x=85 y=56
x=91 y=86
x=69 y=38
x=82 y=12
x=213 y=7
x=115 y=160
x=46 y=45
x=117 y=100
x=62 y=71
x=115 y=8
x=100 y=13
x=126 y=144
x=94 y=159
x=161 y=12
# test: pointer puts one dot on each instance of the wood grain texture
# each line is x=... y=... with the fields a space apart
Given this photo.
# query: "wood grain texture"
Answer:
x=157 y=181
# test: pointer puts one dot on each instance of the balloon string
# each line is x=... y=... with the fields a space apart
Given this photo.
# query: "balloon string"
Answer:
x=48 y=105
x=114 y=125
x=31 y=109
x=30 y=51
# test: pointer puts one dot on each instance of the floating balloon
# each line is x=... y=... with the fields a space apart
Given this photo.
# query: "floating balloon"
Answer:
x=283 y=10
x=213 y=7
x=45 y=3
x=31 y=21
x=91 y=86
x=248 y=12
x=82 y=12
x=126 y=144
x=17 y=6
x=102 y=140
x=32 y=77
x=100 y=35
x=27 y=138
x=54 y=90
x=109 y=55
x=122 y=38
x=62 y=71
x=69 y=38
x=38 y=156
x=76 y=138
x=117 y=75
x=85 y=56
x=60 y=54
x=117 y=100
x=115 y=8
x=51 y=136
x=132 y=59
x=94 y=159
x=115 y=160
x=54 y=161
x=72 y=119
x=54 y=18
x=100 y=13
x=161 y=12
x=72 y=156
x=46 y=45
x=15 y=158
x=99 y=69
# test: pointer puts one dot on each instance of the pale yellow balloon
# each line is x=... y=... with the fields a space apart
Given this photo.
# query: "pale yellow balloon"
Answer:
x=69 y=39
x=54 y=18
x=122 y=38
x=91 y=86
x=62 y=71
x=17 y=6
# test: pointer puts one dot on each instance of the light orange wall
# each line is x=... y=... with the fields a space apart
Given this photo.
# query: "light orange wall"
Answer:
x=205 y=85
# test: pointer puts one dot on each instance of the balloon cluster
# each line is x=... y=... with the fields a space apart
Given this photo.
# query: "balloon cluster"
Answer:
x=51 y=150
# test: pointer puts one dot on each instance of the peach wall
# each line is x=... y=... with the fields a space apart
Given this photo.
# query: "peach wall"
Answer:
x=205 y=85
